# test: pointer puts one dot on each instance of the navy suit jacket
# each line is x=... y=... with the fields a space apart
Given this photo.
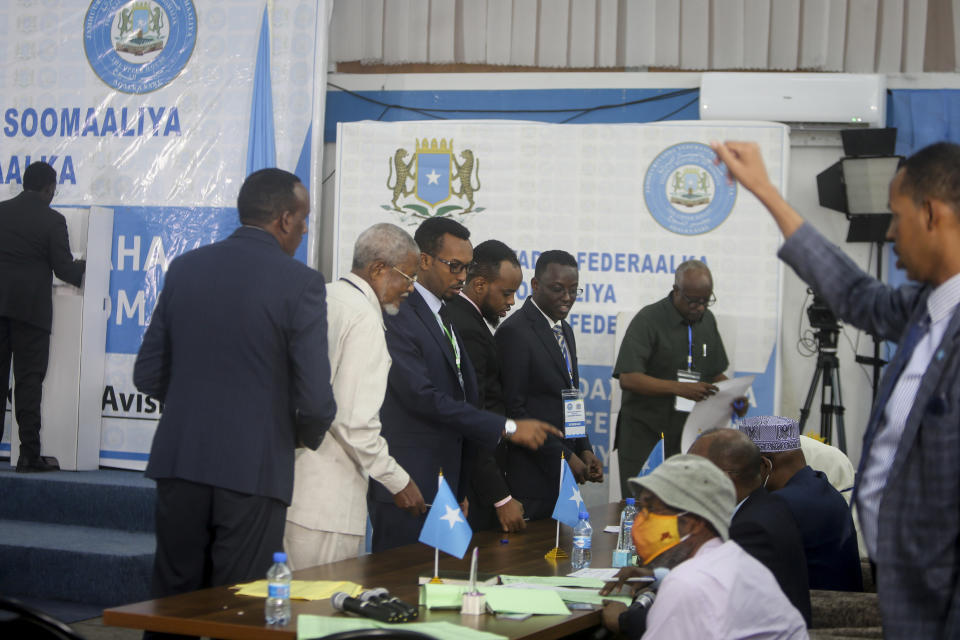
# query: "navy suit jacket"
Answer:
x=237 y=351
x=487 y=485
x=33 y=246
x=765 y=528
x=426 y=416
x=826 y=524
x=533 y=374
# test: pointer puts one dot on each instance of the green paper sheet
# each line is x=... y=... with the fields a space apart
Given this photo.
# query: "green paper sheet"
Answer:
x=556 y=581
x=499 y=599
x=318 y=626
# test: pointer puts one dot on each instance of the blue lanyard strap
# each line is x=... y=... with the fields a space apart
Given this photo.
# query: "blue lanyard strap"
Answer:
x=689 y=347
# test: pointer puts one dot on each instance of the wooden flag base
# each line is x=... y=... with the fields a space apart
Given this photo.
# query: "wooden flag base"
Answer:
x=435 y=580
x=556 y=553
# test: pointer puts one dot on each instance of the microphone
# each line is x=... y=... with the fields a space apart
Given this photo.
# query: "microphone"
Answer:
x=344 y=603
x=382 y=597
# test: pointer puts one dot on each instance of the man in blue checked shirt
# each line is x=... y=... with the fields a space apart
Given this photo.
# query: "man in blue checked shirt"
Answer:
x=908 y=483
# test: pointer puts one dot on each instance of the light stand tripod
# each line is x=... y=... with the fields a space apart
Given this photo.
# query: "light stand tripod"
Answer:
x=827 y=372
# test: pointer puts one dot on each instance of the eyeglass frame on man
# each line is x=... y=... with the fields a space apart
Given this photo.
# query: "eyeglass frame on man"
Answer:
x=456 y=267
x=698 y=302
x=558 y=289
x=409 y=279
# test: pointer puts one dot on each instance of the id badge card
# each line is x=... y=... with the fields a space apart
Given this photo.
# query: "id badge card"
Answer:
x=684 y=404
x=574 y=415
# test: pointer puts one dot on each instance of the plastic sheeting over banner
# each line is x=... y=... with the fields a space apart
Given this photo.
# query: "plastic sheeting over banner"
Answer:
x=157 y=109
x=630 y=202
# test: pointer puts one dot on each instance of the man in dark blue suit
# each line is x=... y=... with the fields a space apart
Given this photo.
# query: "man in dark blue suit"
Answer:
x=237 y=351
x=825 y=520
x=431 y=409
x=762 y=523
x=538 y=356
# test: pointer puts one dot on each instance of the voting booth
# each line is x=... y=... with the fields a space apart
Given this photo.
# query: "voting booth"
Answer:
x=70 y=412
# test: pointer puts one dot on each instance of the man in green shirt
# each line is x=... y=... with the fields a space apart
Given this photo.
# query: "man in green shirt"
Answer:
x=670 y=357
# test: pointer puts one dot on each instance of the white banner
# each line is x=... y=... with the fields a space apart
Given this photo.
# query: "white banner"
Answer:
x=157 y=109
x=630 y=202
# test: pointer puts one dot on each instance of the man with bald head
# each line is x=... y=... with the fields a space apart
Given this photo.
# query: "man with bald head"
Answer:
x=670 y=357
x=762 y=523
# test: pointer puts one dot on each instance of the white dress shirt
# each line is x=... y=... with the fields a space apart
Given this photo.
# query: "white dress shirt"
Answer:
x=722 y=592
x=330 y=484
x=941 y=304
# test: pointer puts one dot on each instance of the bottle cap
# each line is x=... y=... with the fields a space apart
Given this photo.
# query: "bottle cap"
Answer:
x=631 y=502
x=279 y=556
x=584 y=515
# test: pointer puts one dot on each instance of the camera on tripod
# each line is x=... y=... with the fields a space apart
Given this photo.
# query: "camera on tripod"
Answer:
x=826 y=331
x=821 y=316
x=824 y=322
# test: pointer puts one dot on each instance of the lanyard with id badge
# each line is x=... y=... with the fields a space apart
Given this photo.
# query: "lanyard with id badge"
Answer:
x=687 y=375
x=574 y=414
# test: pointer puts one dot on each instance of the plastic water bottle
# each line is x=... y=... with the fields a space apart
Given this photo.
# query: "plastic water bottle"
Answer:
x=276 y=609
x=623 y=554
x=627 y=516
x=582 y=534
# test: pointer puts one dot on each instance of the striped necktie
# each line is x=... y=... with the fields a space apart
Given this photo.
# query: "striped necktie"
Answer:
x=558 y=334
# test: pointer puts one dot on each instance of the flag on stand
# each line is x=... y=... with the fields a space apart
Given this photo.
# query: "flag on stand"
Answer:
x=654 y=460
x=569 y=502
x=446 y=528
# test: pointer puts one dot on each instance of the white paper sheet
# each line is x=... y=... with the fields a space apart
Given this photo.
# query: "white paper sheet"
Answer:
x=715 y=411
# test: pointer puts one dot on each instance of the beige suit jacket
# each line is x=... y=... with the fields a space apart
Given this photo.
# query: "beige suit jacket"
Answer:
x=330 y=484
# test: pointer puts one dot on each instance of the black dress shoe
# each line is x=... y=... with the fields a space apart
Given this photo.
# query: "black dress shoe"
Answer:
x=35 y=465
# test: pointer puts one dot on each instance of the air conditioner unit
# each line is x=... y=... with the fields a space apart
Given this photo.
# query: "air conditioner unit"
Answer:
x=803 y=100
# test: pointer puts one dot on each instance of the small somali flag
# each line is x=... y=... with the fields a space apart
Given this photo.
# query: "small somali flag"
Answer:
x=446 y=528
x=569 y=502
x=654 y=460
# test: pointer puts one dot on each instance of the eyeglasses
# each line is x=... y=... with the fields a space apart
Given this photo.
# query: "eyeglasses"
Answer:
x=559 y=290
x=456 y=267
x=699 y=302
x=409 y=279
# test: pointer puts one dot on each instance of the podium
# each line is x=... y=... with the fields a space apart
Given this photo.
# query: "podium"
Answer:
x=70 y=414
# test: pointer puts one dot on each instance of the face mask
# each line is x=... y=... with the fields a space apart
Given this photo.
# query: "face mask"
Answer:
x=654 y=533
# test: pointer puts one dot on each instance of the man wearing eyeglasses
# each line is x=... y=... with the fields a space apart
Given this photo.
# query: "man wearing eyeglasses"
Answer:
x=538 y=357
x=670 y=357
x=431 y=416
x=327 y=518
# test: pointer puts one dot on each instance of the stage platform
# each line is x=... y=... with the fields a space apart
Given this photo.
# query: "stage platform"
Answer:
x=75 y=542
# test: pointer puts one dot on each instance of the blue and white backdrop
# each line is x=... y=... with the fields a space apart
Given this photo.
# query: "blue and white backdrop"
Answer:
x=157 y=109
x=630 y=202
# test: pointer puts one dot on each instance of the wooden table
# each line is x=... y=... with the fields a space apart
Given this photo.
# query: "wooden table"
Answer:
x=220 y=613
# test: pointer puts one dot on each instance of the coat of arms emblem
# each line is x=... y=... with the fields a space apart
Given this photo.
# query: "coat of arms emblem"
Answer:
x=140 y=29
x=436 y=176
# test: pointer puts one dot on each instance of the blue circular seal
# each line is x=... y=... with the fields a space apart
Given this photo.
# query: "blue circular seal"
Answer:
x=686 y=192
x=139 y=46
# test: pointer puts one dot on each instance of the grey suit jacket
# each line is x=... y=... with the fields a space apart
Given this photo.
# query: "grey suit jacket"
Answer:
x=918 y=546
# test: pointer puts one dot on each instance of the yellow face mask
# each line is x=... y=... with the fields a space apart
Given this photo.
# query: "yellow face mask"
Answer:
x=654 y=533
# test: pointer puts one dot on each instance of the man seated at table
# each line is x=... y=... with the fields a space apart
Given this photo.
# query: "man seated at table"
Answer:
x=824 y=518
x=712 y=588
x=762 y=523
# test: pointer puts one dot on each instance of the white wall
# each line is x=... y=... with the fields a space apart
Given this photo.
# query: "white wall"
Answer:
x=797 y=370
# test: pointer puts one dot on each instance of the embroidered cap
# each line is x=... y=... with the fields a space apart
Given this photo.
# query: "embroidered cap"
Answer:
x=772 y=433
